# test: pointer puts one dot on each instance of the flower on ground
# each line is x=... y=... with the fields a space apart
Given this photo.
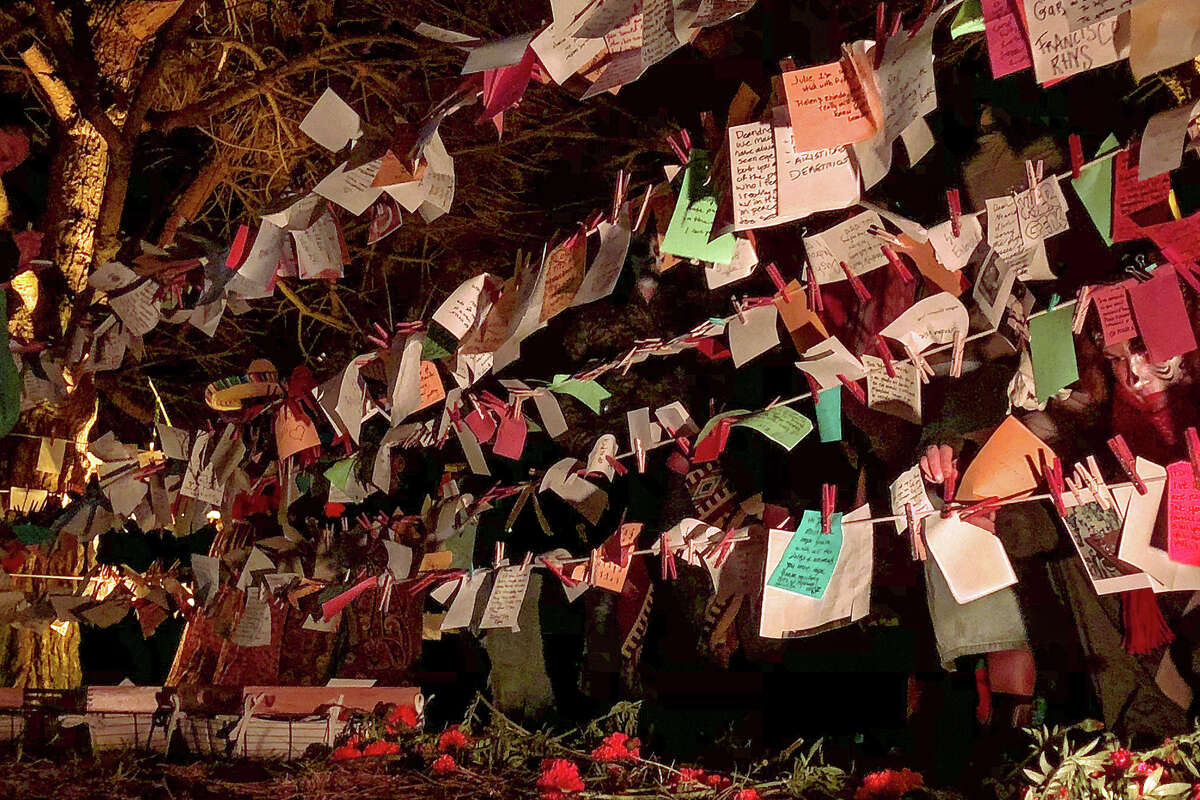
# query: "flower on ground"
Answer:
x=888 y=784
x=747 y=794
x=381 y=748
x=444 y=765
x=559 y=777
x=718 y=782
x=617 y=747
x=402 y=714
x=344 y=752
x=1121 y=759
x=687 y=775
x=452 y=739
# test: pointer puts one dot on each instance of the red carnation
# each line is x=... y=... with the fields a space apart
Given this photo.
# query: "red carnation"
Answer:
x=344 y=752
x=888 y=784
x=333 y=510
x=405 y=714
x=687 y=775
x=718 y=782
x=1121 y=759
x=617 y=747
x=381 y=748
x=559 y=777
x=747 y=794
x=452 y=739
x=444 y=765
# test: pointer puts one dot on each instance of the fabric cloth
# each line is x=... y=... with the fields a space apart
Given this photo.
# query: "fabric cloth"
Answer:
x=987 y=625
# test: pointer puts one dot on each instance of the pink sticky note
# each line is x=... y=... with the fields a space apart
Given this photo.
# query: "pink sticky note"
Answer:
x=1116 y=318
x=1007 y=45
x=510 y=437
x=1162 y=317
x=481 y=424
x=1183 y=514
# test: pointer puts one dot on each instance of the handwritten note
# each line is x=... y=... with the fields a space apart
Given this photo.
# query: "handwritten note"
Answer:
x=782 y=424
x=1183 y=514
x=564 y=274
x=1016 y=224
x=561 y=51
x=932 y=321
x=909 y=489
x=1082 y=13
x=254 y=625
x=695 y=210
x=828 y=106
x=504 y=604
x=1008 y=47
x=953 y=252
x=1116 y=317
x=808 y=181
x=1132 y=196
x=905 y=79
x=758 y=334
x=1059 y=52
x=753 y=169
x=602 y=275
x=901 y=395
x=850 y=241
x=810 y=557
x=319 y=249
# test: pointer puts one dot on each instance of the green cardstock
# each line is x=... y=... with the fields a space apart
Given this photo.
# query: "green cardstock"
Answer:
x=783 y=425
x=590 y=393
x=695 y=210
x=829 y=415
x=810 y=557
x=1094 y=187
x=1052 y=349
x=339 y=474
x=10 y=380
x=968 y=20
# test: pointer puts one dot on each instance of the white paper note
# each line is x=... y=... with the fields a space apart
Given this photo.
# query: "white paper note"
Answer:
x=972 y=560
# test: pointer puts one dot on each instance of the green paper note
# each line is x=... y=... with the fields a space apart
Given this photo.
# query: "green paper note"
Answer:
x=462 y=545
x=968 y=20
x=10 y=380
x=810 y=557
x=783 y=425
x=339 y=473
x=1110 y=144
x=431 y=350
x=590 y=393
x=1052 y=349
x=695 y=210
x=712 y=423
x=1094 y=187
x=829 y=415
x=32 y=534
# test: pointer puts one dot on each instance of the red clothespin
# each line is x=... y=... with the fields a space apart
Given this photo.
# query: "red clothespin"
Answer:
x=955 y=204
x=853 y=388
x=926 y=10
x=668 y=558
x=1193 y=445
x=617 y=466
x=777 y=279
x=828 y=503
x=814 y=388
x=948 y=491
x=886 y=354
x=237 y=249
x=916 y=538
x=896 y=264
x=498 y=557
x=1121 y=450
x=680 y=152
x=860 y=289
x=881 y=33
x=1076 y=155
x=556 y=569
x=525 y=562
x=1052 y=473
x=815 y=301
x=639 y=451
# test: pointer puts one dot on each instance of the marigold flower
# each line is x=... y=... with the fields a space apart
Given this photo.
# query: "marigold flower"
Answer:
x=444 y=765
x=888 y=784
x=452 y=739
x=559 y=777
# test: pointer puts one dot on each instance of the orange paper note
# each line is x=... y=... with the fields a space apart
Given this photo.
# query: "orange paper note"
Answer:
x=432 y=390
x=1007 y=465
x=829 y=106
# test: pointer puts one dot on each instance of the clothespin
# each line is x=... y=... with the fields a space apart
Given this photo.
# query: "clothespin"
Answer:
x=886 y=354
x=860 y=289
x=948 y=491
x=924 y=371
x=556 y=570
x=737 y=309
x=680 y=152
x=926 y=10
x=1121 y=450
x=644 y=210
x=619 y=194
x=668 y=558
x=1193 y=446
x=955 y=204
x=984 y=506
x=853 y=388
x=1034 y=176
x=815 y=301
x=896 y=264
x=1089 y=480
x=1093 y=471
x=1052 y=473
x=881 y=33
x=498 y=557
x=828 y=502
x=1075 y=486
x=1076 y=155
x=525 y=562
x=777 y=279
x=617 y=466
x=814 y=388
x=1081 y=309
x=639 y=450
x=960 y=341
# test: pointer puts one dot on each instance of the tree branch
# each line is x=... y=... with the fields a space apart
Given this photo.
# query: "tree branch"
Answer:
x=198 y=113
x=163 y=42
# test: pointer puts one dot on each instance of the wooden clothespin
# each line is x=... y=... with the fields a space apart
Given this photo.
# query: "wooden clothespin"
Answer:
x=885 y=353
x=860 y=289
x=639 y=450
x=1033 y=175
x=1075 y=487
x=916 y=534
x=815 y=301
x=828 y=503
x=617 y=466
x=897 y=266
x=881 y=33
x=619 y=195
x=498 y=556
x=780 y=286
x=668 y=558
x=1076 y=155
x=960 y=342
x=1081 y=309
x=948 y=491
x=644 y=211
x=923 y=369
x=854 y=389
x=1125 y=457
x=1193 y=446
x=952 y=199
x=739 y=310
x=1093 y=470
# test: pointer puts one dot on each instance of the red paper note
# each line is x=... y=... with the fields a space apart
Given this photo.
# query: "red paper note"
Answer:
x=1179 y=240
x=1183 y=514
x=1131 y=196
x=510 y=437
x=1162 y=317
x=1116 y=318
x=1008 y=49
x=481 y=424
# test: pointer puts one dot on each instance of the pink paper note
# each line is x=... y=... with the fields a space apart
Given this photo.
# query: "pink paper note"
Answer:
x=1183 y=514
x=1162 y=316
x=1007 y=46
x=481 y=424
x=1116 y=318
x=335 y=605
x=510 y=437
x=1131 y=196
x=1178 y=240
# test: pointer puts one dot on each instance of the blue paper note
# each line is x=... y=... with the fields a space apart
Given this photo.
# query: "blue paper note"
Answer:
x=810 y=557
x=829 y=415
